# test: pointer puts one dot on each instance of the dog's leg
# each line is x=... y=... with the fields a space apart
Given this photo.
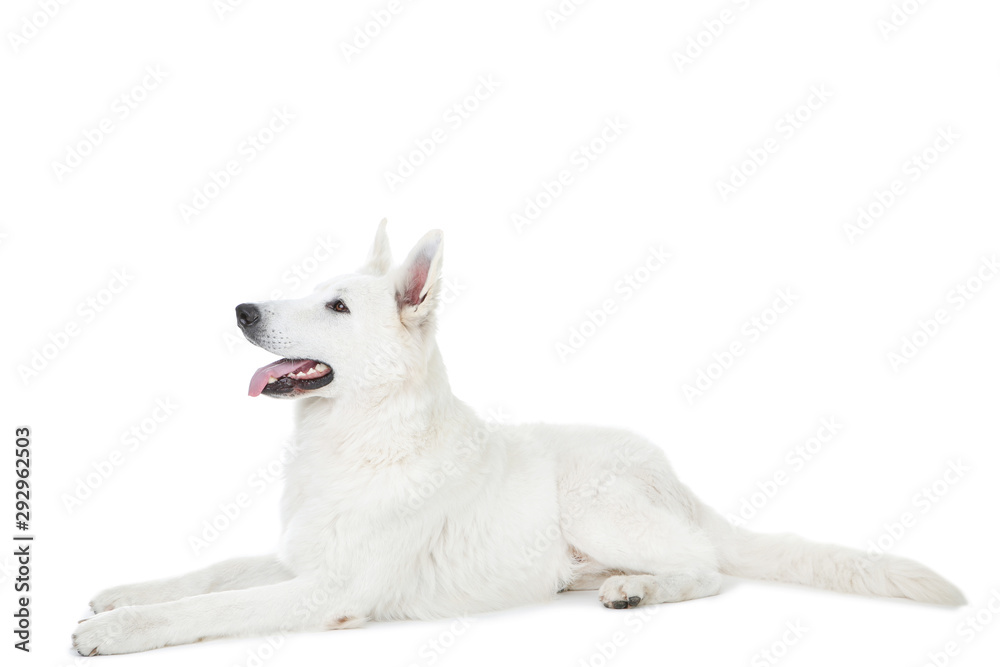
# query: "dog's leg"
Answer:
x=293 y=605
x=657 y=554
x=225 y=576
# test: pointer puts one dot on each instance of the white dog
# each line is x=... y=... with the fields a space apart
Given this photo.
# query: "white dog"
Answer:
x=403 y=504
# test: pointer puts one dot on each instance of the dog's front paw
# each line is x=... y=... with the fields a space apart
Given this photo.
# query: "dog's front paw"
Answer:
x=107 y=600
x=129 y=595
x=122 y=630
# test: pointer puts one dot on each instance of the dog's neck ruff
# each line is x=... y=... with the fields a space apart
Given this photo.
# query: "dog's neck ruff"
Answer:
x=387 y=429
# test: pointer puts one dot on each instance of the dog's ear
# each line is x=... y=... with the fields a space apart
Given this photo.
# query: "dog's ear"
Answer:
x=417 y=279
x=380 y=257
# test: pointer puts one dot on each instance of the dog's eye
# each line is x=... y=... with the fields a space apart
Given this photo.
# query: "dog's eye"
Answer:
x=338 y=306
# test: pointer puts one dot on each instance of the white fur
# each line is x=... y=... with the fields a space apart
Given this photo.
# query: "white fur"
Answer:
x=403 y=504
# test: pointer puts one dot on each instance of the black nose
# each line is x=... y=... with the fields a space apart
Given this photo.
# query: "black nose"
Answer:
x=247 y=315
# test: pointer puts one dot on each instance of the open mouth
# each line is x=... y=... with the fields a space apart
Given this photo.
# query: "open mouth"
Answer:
x=289 y=375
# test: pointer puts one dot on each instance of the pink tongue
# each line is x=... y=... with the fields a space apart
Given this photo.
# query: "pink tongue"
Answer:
x=276 y=370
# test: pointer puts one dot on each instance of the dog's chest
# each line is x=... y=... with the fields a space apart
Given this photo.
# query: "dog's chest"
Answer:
x=422 y=545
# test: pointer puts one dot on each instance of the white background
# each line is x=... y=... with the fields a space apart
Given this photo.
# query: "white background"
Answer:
x=170 y=333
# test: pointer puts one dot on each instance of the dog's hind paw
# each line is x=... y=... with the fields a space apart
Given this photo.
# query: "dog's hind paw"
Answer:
x=622 y=592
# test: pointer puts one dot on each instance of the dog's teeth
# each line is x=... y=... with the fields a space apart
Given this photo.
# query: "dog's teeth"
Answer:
x=320 y=367
x=272 y=380
x=311 y=371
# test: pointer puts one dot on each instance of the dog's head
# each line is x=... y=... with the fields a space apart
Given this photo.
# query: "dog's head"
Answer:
x=357 y=332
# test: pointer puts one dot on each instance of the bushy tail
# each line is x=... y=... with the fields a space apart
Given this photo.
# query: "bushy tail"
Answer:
x=792 y=559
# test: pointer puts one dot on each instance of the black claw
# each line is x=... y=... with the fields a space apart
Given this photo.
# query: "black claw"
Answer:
x=634 y=601
x=620 y=604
